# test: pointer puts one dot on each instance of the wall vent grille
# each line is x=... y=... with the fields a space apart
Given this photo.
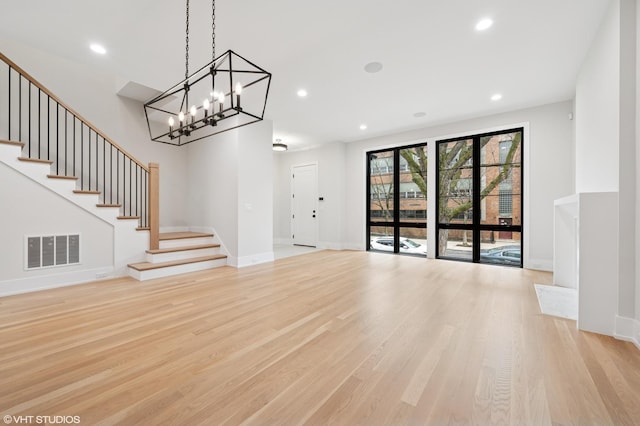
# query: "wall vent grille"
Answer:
x=48 y=251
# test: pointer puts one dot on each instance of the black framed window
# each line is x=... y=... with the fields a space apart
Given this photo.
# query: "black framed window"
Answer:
x=479 y=201
x=397 y=200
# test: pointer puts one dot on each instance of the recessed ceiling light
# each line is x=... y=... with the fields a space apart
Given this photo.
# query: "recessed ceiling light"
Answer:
x=496 y=97
x=363 y=127
x=302 y=93
x=484 y=24
x=373 y=67
x=98 y=48
x=419 y=114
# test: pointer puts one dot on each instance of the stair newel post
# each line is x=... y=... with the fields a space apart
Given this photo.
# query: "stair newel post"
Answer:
x=154 y=206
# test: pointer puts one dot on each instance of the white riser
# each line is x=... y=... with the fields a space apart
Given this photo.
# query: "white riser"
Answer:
x=176 y=270
x=181 y=255
x=186 y=242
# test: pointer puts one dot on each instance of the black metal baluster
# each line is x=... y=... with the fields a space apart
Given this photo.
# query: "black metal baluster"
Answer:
x=9 y=104
x=19 y=107
x=57 y=138
x=66 y=135
x=118 y=177
x=74 y=145
x=29 y=119
x=39 y=121
x=48 y=127
x=82 y=155
x=104 y=171
x=137 y=190
x=130 y=180
x=111 y=175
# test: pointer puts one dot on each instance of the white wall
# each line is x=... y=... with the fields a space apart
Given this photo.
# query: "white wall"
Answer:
x=230 y=186
x=598 y=110
x=605 y=134
x=331 y=160
x=28 y=209
x=255 y=193
x=92 y=93
x=627 y=173
x=548 y=162
x=637 y=180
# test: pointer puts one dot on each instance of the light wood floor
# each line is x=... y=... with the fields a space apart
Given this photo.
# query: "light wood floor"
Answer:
x=328 y=337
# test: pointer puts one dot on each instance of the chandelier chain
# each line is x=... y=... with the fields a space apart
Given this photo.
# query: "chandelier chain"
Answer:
x=186 y=65
x=213 y=30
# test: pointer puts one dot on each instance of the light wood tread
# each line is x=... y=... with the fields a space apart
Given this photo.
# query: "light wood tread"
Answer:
x=128 y=217
x=180 y=235
x=143 y=228
x=108 y=205
x=177 y=249
x=62 y=177
x=148 y=266
x=35 y=160
x=7 y=142
x=82 y=191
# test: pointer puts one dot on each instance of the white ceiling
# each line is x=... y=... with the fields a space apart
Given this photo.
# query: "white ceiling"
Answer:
x=434 y=60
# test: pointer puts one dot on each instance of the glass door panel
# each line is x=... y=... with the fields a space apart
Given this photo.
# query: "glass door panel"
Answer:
x=500 y=247
x=480 y=198
x=397 y=200
x=456 y=244
x=381 y=187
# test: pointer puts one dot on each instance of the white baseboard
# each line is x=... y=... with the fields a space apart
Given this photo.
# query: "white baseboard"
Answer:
x=628 y=329
x=354 y=246
x=254 y=259
x=323 y=245
x=46 y=282
x=282 y=241
x=539 y=264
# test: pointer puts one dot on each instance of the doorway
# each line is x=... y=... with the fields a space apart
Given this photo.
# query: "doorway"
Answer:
x=304 y=205
x=479 y=203
x=397 y=200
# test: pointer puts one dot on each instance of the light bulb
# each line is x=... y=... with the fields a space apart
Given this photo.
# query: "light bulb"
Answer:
x=181 y=116
x=171 y=121
x=221 y=97
x=206 y=105
x=193 y=110
x=238 y=89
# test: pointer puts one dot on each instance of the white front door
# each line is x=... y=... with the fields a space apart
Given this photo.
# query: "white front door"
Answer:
x=304 y=195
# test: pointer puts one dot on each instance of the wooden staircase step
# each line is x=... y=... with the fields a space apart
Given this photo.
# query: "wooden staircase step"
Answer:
x=178 y=249
x=62 y=177
x=143 y=228
x=108 y=205
x=180 y=235
x=148 y=266
x=7 y=142
x=128 y=217
x=81 y=191
x=35 y=160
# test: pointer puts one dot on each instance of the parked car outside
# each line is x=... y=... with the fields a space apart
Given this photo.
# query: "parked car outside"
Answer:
x=506 y=255
x=406 y=245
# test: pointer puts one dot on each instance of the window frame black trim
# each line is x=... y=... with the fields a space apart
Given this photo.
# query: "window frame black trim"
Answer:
x=476 y=227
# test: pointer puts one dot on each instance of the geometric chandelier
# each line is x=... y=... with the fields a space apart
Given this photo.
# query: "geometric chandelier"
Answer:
x=227 y=93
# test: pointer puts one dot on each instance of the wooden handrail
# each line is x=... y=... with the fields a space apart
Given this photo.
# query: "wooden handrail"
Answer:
x=71 y=110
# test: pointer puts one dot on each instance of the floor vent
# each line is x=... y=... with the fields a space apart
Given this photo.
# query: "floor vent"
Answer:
x=52 y=250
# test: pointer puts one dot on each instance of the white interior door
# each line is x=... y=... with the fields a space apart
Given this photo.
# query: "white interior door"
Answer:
x=304 y=196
